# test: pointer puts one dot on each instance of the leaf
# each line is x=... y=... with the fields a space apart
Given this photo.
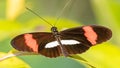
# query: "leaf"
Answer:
x=104 y=55
x=12 y=62
x=80 y=59
x=77 y=57
x=14 y=52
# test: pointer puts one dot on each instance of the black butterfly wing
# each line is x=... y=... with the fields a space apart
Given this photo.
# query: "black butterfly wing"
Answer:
x=35 y=42
x=87 y=36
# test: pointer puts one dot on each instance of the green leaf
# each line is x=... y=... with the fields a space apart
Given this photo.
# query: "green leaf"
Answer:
x=12 y=62
x=102 y=56
x=80 y=59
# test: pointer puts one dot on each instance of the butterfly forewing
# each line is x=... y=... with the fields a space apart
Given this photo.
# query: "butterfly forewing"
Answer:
x=103 y=33
x=29 y=41
x=90 y=35
x=35 y=42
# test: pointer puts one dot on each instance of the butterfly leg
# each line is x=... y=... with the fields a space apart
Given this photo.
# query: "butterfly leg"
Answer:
x=62 y=48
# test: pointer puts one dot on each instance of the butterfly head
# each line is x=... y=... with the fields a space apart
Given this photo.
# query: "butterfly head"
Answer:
x=54 y=29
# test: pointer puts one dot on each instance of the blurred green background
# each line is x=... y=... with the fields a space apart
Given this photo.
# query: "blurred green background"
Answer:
x=15 y=20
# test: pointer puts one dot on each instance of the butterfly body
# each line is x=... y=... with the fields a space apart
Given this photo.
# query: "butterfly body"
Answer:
x=71 y=41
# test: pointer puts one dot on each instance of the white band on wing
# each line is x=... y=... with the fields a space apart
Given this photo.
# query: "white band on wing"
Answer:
x=64 y=42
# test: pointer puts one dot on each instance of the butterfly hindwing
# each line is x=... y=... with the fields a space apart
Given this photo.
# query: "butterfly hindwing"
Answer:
x=73 y=47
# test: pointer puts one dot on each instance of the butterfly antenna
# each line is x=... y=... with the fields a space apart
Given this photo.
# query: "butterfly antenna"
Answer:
x=66 y=5
x=38 y=16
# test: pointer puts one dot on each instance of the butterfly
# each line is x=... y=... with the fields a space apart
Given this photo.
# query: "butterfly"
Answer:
x=64 y=43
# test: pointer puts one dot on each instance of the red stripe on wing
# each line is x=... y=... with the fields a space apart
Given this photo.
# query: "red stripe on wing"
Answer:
x=31 y=42
x=90 y=34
